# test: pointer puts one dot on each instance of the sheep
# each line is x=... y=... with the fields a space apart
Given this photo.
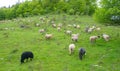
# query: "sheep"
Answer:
x=78 y=26
x=69 y=25
x=71 y=48
x=41 y=31
x=68 y=32
x=82 y=52
x=26 y=55
x=74 y=25
x=98 y=28
x=42 y=19
x=86 y=29
x=58 y=28
x=90 y=30
x=93 y=38
x=52 y=22
x=106 y=37
x=75 y=37
x=60 y=25
x=37 y=25
x=54 y=25
x=48 y=36
x=93 y=27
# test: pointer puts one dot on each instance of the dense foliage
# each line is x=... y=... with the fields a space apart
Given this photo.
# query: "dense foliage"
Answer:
x=109 y=12
x=40 y=7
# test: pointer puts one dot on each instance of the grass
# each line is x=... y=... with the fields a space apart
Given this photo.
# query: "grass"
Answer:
x=53 y=55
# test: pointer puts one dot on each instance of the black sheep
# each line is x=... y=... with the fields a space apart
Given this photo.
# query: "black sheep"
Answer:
x=26 y=55
x=81 y=53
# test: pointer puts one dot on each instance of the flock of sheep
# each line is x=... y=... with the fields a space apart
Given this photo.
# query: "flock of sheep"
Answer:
x=74 y=37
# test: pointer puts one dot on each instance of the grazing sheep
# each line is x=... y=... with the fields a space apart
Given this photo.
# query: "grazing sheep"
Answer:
x=41 y=31
x=93 y=27
x=68 y=32
x=90 y=30
x=81 y=53
x=86 y=29
x=48 y=36
x=71 y=48
x=93 y=38
x=69 y=25
x=52 y=22
x=54 y=25
x=75 y=37
x=37 y=25
x=74 y=25
x=42 y=19
x=58 y=28
x=26 y=55
x=60 y=25
x=106 y=37
x=98 y=28
x=78 y=26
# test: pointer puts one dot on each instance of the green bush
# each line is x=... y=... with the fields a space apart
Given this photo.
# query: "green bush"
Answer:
x=105 y=15
x=2 y=14
x=38 y=7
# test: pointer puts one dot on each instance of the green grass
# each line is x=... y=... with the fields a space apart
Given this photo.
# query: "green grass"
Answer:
x=53 y=55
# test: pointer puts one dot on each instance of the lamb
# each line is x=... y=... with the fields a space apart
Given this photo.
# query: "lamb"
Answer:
x=48 y=36
x=75 y=37
x=81 y=53
x=71 y=48
x=106 y=37
x=26 y=55
x=93 y=38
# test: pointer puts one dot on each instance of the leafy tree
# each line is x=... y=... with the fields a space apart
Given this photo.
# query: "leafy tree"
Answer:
x=2 y=14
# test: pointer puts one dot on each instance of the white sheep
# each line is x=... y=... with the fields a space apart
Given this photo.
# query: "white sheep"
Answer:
x=90 y=30
x=75 y=37
x=48 y=36
x=93 y=27
x=52 y=22
x=37 y=25
x=78 y=26
x=68 y=32
x=74 y=25
x=54 y=25
x=41 y=31
x=71 y=48
x=58 y=28
x=98 y=28
x=106 y=37
x=60 y=25
x=69 y=25
x=93 y=38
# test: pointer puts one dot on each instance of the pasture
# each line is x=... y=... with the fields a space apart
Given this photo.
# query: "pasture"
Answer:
x=21 y=34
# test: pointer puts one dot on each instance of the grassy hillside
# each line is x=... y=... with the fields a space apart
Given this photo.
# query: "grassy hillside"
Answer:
x=53 y=55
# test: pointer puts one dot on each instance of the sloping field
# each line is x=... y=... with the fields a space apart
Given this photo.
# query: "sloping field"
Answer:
x=22 y=34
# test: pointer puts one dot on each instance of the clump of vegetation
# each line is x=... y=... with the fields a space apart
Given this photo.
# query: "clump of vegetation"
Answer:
x=109 y=12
